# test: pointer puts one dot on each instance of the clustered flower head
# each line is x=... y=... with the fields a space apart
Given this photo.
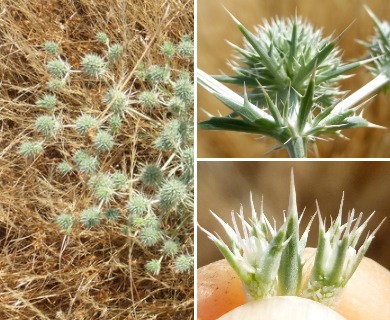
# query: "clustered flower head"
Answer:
x=289 y=74
x=269 y=260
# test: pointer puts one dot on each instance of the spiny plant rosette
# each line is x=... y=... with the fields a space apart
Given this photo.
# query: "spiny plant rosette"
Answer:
x=289 y=74
x=269 y=261
x=150 y=197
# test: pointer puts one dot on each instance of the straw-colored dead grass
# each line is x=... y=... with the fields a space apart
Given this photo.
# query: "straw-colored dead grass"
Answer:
x=97 y=274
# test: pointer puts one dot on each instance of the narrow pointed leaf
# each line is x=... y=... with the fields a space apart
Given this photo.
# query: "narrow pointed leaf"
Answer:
x=319 y=262
x=272 y=259
x=306 y=104
x=378 y=24
x=322 y=115
x=272 y=108
x=230 y=124
x=293 y=47
x=342 y=69
x=290 y=270
x=232 y=99
x=239 y=79
x=261 y=51
x=337 y=271
x=305 y=71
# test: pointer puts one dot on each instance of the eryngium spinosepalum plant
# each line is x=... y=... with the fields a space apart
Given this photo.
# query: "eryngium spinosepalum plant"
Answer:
x=96 y=146
x=289 y=73
x=269 y=260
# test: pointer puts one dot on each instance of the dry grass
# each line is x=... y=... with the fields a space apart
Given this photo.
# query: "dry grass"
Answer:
x=96 y=274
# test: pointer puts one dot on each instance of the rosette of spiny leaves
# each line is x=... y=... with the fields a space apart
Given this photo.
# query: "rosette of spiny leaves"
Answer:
x=290 y=75
x=269 y=260
x=337 y=256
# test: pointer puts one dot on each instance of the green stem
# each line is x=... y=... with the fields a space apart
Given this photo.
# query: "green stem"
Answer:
x=296 y=147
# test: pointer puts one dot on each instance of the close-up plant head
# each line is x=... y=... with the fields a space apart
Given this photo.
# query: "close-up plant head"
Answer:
x=285 y=81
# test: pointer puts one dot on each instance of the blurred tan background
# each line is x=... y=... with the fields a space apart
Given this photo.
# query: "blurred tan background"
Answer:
x=223 y=186
x=215 y=26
